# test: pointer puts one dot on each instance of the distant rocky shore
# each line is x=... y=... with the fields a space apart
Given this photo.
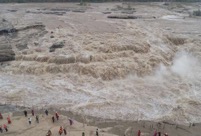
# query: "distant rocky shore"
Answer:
x=117 y=127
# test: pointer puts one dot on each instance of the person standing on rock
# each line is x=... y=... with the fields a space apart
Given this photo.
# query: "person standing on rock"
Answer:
x=53 y=119
x=57 y=115
x=5 y=127
x=37 y=118
x=83 y=134
x=70 y=122
x=9 y=120
x=46 y=112
x=165 y=134
x=155 y=133
x=1 y=117
x=97 y=134
x=32 y=112
x=29 y=120
x=25 y=113
x=1 y=129
x=139 y=133
x=65 y=132
x=49 y=133
x=60 y=130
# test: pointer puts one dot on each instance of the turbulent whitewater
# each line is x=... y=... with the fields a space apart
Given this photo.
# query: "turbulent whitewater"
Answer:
x=143 y=69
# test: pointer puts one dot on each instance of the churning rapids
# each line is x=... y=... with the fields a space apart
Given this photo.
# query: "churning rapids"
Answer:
x=144 y=69
x=170 y=93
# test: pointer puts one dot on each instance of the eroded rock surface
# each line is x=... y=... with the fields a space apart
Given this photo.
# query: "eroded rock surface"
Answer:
x=6 y=52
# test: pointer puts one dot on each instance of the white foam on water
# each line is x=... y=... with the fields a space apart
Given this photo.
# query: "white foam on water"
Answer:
x=172 y=17
x=153 y=97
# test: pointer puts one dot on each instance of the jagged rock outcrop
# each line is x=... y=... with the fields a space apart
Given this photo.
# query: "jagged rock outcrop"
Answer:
x=56 y=45
x=6 y=53
x=6 y=27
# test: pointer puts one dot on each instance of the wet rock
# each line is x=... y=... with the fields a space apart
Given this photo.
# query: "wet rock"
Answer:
x=127 y=12
x=6 y=53
x=47 y=12
x=79 y=10
x=60 y=9
x=6 y=27
x=12 y=10
x=34 y=26
x=122 y=17
x=55 y=46
x=36 y=43
x=7 y=108
x=21 y=46
x=106 y=12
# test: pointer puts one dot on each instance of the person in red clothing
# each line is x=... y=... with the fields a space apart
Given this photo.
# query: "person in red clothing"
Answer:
x=155 y=133
x=9 y=120
x=5 y=127
x=139 y=133
x=1 y=117
x=60 y=130
x=57 y=115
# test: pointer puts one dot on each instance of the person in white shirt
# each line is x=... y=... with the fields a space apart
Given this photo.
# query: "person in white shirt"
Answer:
x=29 y=120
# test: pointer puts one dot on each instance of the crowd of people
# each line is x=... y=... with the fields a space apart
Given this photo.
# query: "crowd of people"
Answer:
x=54 y=118
x=155 y=133
x=61 y=130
